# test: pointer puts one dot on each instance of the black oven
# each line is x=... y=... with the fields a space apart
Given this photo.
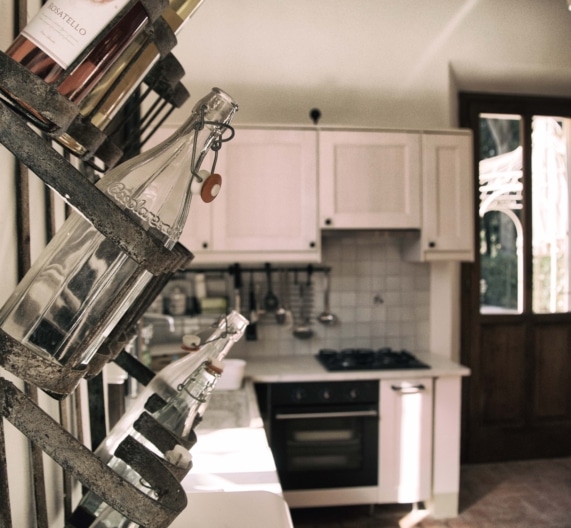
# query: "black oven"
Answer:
x=324 y=435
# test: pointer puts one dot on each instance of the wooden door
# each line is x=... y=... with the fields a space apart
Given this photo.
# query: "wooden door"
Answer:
x=517 y=401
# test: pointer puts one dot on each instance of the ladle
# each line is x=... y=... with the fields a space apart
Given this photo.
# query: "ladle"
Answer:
x=271 y=301
x=326 y=317
x=281 y=313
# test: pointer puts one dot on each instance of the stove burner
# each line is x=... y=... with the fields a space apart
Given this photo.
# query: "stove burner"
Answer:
x=368 y=359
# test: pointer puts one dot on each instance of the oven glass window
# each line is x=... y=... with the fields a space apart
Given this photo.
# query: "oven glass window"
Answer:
x=328 y=444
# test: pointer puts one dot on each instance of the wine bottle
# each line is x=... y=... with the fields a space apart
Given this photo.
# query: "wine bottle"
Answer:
x=82 y=283
x=59 y=33
x=108 y=96
x=181 y=396
x=136 y=61
x=43 y=46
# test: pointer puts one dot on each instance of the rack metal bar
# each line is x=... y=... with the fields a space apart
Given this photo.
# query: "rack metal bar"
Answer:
x=64 y=420
x=38 y=471
x=134 y=368
x=102 y=212
x=65 y=449
x=5 y=512
x=97 y=415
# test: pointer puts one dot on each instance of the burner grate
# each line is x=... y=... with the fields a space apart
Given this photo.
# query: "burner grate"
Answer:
x=368 y=359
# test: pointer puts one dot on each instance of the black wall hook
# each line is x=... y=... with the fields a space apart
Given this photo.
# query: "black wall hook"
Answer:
x=315 y=115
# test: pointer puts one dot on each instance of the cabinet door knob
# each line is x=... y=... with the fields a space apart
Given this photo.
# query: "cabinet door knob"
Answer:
x=432 y=244
x=328 y=221
x=312 y=244
x=204 y=245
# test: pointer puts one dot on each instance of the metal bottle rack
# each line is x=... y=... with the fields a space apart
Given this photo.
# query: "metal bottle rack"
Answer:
x=35 y=152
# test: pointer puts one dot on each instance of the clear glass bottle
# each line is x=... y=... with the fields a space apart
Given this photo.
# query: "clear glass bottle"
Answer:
x=82 y=283
x=177 y=302
x=184 y=397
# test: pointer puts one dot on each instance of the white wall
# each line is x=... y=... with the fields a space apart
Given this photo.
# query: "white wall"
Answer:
x=17 y=451
x=386 y=63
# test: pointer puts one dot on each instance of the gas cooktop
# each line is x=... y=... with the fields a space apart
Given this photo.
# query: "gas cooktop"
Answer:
x=368 y=359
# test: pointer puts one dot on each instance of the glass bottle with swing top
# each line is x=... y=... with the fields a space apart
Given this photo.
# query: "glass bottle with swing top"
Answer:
x=82 y=283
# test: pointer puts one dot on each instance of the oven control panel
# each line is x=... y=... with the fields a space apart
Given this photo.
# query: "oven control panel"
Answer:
x=322 y=392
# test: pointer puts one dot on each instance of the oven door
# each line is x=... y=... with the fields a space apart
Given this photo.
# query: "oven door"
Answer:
x=326 y=446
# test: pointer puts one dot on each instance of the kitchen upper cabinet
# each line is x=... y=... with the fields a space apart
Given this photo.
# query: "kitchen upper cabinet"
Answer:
x=267 y=206
x=369 y=180
x=405 y=444
x=447 y=199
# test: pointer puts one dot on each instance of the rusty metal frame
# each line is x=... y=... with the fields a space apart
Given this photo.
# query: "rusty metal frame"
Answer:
x=38 y=155
x=20 y=408
x=74 y=457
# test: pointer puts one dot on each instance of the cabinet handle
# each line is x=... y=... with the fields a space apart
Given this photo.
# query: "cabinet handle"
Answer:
x=204 y=245
x=413 y=389
x=432 y=244
x=328 y=221
x=312 y=244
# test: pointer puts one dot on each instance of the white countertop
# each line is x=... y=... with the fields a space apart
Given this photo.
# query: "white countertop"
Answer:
x=307 y=368
x=233 y=481
x=240 y=509
x=232 y=451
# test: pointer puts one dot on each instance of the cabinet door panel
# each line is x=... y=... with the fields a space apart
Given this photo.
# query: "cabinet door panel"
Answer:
x=405 y=447
x=270 y=192
x=447 y=193
x=369 y=180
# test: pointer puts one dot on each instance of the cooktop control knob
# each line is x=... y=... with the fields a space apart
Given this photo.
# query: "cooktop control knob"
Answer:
x=325 y=394
x=352 y=393
x=298 y=394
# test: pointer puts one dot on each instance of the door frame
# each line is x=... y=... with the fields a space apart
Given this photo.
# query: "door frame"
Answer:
x=512 y=348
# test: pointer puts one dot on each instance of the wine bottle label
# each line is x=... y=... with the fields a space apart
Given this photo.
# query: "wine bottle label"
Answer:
x=64 y=28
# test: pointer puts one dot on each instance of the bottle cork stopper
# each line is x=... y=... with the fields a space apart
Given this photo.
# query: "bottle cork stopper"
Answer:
x=190 y=342
x=198 y=182
x=211 y=188
x=216 y=366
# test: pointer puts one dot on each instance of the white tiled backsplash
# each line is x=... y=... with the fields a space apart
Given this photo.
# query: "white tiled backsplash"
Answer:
x=379 y=299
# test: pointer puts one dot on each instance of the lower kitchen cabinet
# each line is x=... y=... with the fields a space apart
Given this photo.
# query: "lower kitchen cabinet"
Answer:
x=405 y=441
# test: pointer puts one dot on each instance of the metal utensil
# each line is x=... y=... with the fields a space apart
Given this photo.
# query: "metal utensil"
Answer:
x=303 y=330
x=326 y=317
x=271 y=301
x=237 y=286
x=251 y=329
x=281 y=313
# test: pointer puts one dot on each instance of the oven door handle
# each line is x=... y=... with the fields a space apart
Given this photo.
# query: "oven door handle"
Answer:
x=332 y=414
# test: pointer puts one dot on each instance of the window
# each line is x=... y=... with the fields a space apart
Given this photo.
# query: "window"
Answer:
x=506 y=189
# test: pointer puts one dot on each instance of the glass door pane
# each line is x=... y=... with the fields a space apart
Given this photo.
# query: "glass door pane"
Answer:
x=500 y=209
x=550 y=215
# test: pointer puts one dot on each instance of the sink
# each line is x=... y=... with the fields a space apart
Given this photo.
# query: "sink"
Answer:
x=231 y=409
